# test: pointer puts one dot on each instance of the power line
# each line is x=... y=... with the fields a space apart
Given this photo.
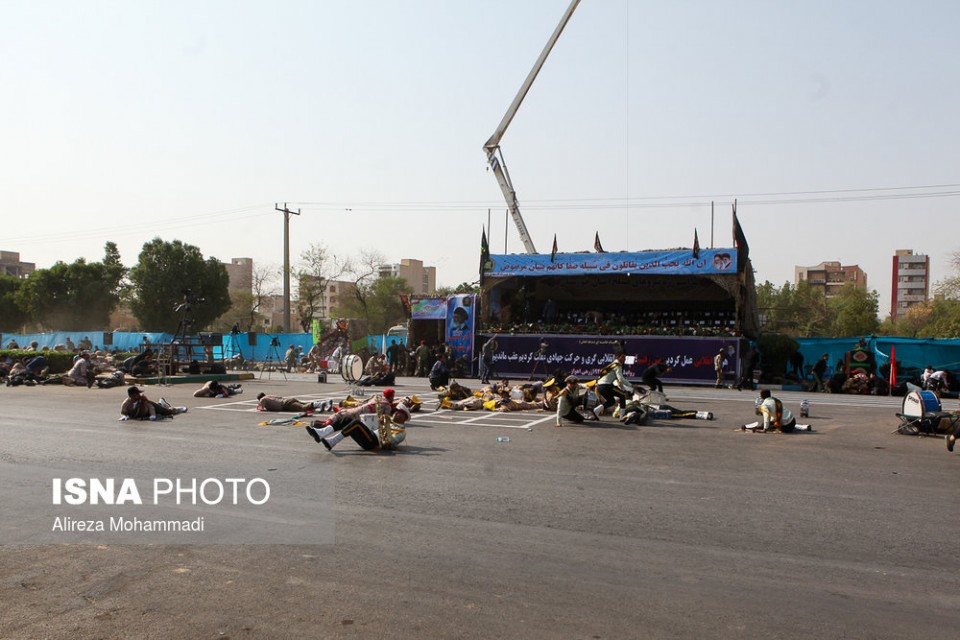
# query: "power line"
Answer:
x=137 y=228
x=472 y=203
x=770 y=198
x=610 y=204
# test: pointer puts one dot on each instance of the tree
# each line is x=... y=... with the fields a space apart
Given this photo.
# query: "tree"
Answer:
x=943 y=320
x=172 y=282
x=13 y=317
x=463 y=287
x=853 y=312
x=949 y=287
x=238 y=315
x=799 y=311
x=245 y=305
x=803 y=311
x=378 y=303
x=937 y=318
x=74 y=297
x=362 y=274
x=260 y=288
x=318 y=267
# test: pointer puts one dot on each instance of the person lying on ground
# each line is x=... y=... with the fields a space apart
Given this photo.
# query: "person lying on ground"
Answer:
x=279 y=403
x=138 y=407
x=215 y=389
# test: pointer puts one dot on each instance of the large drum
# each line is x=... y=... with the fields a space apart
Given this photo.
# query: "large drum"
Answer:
x=351 y=368
x=918 y=404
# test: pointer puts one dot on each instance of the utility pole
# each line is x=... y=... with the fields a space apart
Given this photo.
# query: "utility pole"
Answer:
x=286 y=262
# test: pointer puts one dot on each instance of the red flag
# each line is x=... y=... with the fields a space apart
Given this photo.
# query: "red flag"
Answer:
x=893 y=367
x=553 y=253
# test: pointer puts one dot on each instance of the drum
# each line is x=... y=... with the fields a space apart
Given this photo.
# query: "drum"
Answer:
x=351 y=369
x=917 y=404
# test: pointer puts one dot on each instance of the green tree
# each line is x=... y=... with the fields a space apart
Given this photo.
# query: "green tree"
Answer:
x=169 y=282
x=908 y=324
x=13 y=317
x=378 y=303
x=245 y=305
x=853 y=312
x=799 y=311
x=74 y=297
x=239 y=313
x=943 y=320
x=463 y=287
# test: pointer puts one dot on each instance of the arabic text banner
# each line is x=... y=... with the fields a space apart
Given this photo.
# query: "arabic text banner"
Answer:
x=678 y=262
x=520 y=356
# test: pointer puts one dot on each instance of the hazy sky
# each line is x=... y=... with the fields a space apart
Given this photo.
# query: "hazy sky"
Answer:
x=835 y=124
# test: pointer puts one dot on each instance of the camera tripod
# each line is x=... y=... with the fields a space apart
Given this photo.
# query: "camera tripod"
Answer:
x=273 y=356
x=232 y=346
x=542 y=351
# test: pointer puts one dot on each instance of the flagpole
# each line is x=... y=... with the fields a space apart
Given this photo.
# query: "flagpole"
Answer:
x=711 y=224
x=506 y=228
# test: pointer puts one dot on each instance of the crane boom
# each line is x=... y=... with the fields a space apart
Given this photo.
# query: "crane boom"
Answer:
x=492 y=146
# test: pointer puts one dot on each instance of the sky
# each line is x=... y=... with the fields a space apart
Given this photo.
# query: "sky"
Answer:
x=834 y=125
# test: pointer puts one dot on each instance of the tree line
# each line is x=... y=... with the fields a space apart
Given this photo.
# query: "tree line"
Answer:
x=803 y=311
x=173 y=282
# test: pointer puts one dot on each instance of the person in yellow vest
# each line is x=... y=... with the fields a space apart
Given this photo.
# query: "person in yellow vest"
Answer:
x=612 y=388
x=572 y=396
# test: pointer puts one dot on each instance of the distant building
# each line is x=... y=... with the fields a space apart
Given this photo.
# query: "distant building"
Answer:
x=423 y=280
x=333 y=296
x=830 y=277
x=911 y=281
x=272 y=312
x=240 y=272
x=10 y=265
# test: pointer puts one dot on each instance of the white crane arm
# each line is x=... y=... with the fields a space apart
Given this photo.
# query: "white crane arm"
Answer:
x=492 y=145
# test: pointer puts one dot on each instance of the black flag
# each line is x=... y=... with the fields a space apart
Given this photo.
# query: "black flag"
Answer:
x=553 y=254
x=696 y=245
x=484 y=254
x=740 y=240
x=596 y=243
x=484 y=251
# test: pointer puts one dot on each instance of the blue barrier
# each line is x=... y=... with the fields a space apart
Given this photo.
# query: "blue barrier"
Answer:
x=133 y=341
x=911 y=353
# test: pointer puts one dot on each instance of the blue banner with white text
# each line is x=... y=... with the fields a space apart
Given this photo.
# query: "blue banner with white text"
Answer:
x=677 y=262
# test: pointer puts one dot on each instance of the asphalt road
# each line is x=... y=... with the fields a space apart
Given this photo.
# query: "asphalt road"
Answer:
x=680 y=529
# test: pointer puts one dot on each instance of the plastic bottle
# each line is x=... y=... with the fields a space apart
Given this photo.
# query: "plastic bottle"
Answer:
x=503 y=439
x=804 y=409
